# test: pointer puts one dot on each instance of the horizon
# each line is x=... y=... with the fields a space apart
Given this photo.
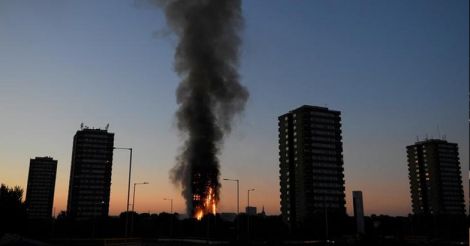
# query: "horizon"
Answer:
x=396 y=71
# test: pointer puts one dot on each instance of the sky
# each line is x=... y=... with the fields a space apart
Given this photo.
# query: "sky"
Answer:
x=397 y=70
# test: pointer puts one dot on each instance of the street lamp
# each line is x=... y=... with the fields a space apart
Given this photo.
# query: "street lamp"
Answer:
x=133 y=195
x=97 y=206
x=171 y=203
x=238 y=204
x=171 y=212
x=128 y=187
x=249 y=196
x=238 y=193
x=248 y=214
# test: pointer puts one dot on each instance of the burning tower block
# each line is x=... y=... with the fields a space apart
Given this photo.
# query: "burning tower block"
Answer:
x=209 y=94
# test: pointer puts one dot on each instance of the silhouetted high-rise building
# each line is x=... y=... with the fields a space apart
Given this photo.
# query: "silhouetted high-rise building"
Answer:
x=40 y=190
x=435 y=178
x=90 y=175
x=311 y=163
x=358 y=206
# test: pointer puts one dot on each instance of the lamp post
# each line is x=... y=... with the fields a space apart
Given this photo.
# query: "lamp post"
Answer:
x=249 y=197
x=238 y=204
x=248 y=214
x=97 y=206
x=128 y=188
x=133 y=205
x=171 y=214
x=171 y=203
x=326 y=218
x=238 y=193
x=133 y=194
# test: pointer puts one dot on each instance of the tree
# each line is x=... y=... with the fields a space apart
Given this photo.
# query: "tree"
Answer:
x=12 y=209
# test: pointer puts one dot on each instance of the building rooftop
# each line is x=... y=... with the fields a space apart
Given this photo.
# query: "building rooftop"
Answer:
x=431 y=140
x=87 y=128
x=43 y=158
x=304 y=107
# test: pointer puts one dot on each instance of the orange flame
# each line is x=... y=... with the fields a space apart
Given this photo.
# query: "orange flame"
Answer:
x=199 y=214
x=209 y=205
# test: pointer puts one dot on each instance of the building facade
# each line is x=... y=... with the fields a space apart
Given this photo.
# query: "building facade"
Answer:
x=40 y=189
x=311 y=163
x=90 y=174
x=435 y=178
x=251 y=210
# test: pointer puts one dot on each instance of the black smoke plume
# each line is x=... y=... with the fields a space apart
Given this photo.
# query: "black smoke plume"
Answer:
x=209 y=95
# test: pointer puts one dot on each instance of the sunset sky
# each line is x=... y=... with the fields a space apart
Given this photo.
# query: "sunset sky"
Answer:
x=395 y=69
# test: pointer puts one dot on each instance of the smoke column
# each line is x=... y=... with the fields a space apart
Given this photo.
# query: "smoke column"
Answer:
x=209 y=94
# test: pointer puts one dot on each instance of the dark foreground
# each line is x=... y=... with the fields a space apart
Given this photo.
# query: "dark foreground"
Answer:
x=170 y=229
x=15 y=240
